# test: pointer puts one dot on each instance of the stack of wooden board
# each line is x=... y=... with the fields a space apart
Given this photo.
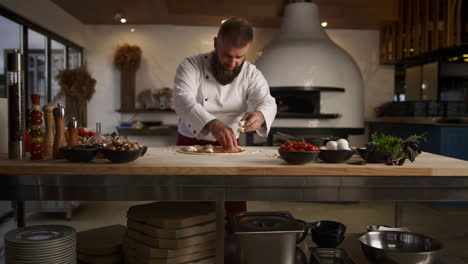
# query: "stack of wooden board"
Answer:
x=101 y=245
x=171 y=233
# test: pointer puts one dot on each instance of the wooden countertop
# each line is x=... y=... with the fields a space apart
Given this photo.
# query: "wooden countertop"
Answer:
x=259 y=161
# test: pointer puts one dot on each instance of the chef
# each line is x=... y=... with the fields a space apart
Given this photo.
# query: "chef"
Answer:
x=214 y=91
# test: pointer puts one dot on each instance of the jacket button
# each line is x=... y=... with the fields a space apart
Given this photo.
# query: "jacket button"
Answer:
x=189 y=125
x=207 y=77
x=206 y=99
x=194 y=131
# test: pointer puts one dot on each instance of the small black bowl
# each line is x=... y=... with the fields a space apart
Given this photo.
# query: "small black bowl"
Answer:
x=123 y=156
x=81 y=153
x=298 y=157
x=327 y=227
x=327 y=234
x=375 y=156
x=336 y=156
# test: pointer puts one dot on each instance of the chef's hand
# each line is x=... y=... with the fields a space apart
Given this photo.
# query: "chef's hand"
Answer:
x=253 y=121
x=223 y=134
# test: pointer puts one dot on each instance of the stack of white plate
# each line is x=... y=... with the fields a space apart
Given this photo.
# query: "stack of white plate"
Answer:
x=44 y=244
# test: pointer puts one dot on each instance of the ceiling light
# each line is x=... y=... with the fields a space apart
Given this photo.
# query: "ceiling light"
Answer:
x=119 y=17
x=324 y=24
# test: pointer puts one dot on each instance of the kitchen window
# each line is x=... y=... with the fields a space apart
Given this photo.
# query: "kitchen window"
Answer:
x=47 y=53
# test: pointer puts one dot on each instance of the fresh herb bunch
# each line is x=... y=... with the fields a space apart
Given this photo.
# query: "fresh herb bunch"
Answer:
x=387 y=142
x=403 y=148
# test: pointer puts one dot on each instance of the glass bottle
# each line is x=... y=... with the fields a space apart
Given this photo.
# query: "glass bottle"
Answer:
x=35 y=119
x=98 y=139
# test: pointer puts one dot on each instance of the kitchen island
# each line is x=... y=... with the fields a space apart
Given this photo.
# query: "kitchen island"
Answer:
x=257 y=174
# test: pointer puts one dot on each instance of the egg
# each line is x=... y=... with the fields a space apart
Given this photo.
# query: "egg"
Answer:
x=323 y=148
x=332 y=145
x=342 y=144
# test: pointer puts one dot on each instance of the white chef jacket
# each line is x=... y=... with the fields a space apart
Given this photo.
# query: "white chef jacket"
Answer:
x=200 y=98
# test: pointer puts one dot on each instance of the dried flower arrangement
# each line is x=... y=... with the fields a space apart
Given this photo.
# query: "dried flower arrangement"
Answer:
x=75 y=83
x=76 y=87
x=127 y=57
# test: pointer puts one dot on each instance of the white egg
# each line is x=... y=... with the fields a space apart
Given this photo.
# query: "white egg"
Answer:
x=323 y=148
x=342 y=144
x=331 y=145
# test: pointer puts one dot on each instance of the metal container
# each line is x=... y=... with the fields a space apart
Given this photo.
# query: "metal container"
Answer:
x=390 y=247
x=16 y=107
x=266 y=237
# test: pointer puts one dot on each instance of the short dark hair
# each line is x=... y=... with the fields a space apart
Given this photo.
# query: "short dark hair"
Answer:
x=237 y=31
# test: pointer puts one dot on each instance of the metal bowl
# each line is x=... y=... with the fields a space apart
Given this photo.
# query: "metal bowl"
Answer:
x=392 y=247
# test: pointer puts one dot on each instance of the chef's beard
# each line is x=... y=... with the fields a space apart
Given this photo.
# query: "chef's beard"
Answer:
x=221 y=74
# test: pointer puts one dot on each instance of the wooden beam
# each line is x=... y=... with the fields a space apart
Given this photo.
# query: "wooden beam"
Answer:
x=435 y=25
x=425 y=26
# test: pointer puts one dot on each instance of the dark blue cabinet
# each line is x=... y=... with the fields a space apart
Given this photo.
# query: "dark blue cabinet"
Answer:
x=451 y=141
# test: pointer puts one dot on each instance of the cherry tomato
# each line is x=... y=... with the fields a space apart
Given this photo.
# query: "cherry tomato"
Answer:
x=298 y=146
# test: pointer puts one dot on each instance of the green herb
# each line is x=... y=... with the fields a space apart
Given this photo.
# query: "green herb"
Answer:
x=403 y=149
x=387 y=142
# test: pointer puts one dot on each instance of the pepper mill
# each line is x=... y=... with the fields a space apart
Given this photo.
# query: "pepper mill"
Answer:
x=60 y=140
x=49 y=127
x=16 y=105
x=73 y=132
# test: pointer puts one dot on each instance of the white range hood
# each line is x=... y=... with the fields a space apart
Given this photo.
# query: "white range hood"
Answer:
x=303 y=57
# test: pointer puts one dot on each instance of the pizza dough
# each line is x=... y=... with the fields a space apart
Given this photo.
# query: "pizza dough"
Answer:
x=207 y=150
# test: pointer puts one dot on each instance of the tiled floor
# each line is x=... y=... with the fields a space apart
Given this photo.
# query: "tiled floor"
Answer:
x=448 y=224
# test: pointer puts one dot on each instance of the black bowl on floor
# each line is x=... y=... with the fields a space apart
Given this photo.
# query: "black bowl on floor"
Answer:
x=123 y=156
x=327 y=234
x=336 y=156
x=375 y=156
x=327 y=227
x=298 y=157
x=81 y=153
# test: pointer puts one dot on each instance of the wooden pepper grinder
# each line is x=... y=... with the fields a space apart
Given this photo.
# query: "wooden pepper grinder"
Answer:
x=73 y=132
x=59 y=141
x=49 y=130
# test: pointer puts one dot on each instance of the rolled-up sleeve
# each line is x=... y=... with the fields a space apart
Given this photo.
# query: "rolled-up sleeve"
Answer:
x=186 y=106
x=259 y=99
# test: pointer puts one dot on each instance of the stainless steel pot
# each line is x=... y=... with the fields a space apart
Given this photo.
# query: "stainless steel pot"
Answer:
x=266 y=237
x=391 y=247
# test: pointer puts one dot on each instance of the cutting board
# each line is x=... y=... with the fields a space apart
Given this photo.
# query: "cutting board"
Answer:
x=171 y=243
x=112 y=259
x=146 y=251
x=171 y=233
x=173 y=215
x=101 y=241
x=132 y=256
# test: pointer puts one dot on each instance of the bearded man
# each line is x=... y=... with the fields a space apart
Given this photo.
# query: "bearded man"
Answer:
x=213 y=92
